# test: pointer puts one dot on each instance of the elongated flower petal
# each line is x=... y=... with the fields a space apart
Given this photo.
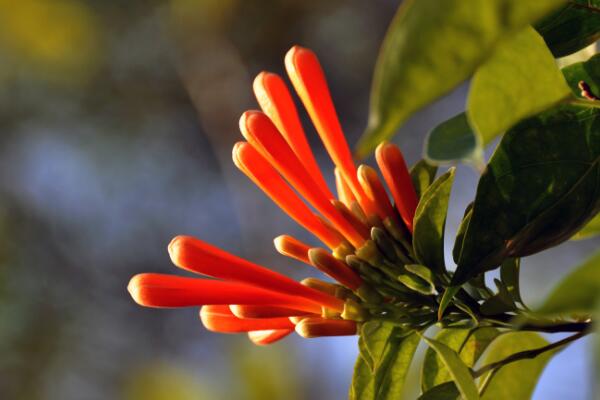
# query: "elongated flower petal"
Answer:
x=338 y=270
x=276 y=101
x=374 y=189
x=194 y=255
x=396 y=175
x=318 y=327
x=260 y=132
x=308 y=79
x=167 y=291
x=218 y=318
x=260 y=311
x=253 y=164
x=263 y=338
x=349 y=216
x=344 y=192
x=291 y=247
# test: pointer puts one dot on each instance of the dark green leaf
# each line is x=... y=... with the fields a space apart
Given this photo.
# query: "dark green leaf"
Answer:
x=459 y=371
x=430 y=222
x=499 y=303
x=579 y=292
x=453 y=141
x=415 y=283
x=431 y=47
x=515 y=381
x=572 y=27
x=539 y=188
x=591 y=229
x=468 y=343
x=509 y=274
x=445 y=391
x=519 y=80
x=422 y=175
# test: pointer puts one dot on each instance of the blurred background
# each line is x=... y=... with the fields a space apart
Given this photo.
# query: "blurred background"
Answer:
x=117 y=121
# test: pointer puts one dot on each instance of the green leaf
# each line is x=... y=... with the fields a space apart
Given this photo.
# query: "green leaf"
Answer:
x=422 y=272
x=392 y=355
x=587 y=71
x=431 y=47
x=539 y=188
x=515 y=381
x=468 y=343
x=430 y=222
x=422 y=175
x=446 y=300
x=578 y=292
x=445 y=391
x=499 y=303
x=591 y=229
x=509 y=274
x=453 y=141
x=460 y=234
x=572 y=27
x=460 y=373
x=519 y=80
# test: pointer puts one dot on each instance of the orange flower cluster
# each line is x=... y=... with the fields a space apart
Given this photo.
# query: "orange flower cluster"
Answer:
x=246 y=297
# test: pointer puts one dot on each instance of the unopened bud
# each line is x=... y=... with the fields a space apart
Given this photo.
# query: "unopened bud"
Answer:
x=319 y=327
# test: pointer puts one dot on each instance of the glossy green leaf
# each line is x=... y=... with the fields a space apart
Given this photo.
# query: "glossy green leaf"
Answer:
x=587 y=71
x=453 y=141
x=430 y=223
x=578 y=292
x=422 y=272
x=515 y=381
x=444 y=391
x=459 y=371
x=460 y=234
x=572 y=27
x=391 y=356
x=468 y=343
x=591 y=229
x=509 y=274
x=417 y=284
x=431 y=47
x=539 y=188
x=422 y=175
x=446 y=300
x=519 y=80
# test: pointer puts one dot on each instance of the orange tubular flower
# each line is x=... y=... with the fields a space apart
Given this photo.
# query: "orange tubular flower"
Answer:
x=291 y=247
x=396 y=175
x=276 y=101
x=263 y=338
x=168 y=291
x=260 y=132
x=318 y=327
x=218 y=318
x=249 y=161
x=308 y=79
x=338 y=270
x=364 y=262
x=258 y=311
x=194 y=255
x=374 y=189
x=344 y=193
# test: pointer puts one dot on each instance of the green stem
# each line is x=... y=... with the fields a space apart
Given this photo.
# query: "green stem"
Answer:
x=584 y=103
x=527 y=354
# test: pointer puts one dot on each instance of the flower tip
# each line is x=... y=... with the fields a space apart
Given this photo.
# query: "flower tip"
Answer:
x=178 y=248
x=133 y=287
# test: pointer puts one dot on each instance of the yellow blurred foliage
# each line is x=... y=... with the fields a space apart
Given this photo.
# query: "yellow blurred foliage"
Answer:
x=164 y=382
x=57 y=40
